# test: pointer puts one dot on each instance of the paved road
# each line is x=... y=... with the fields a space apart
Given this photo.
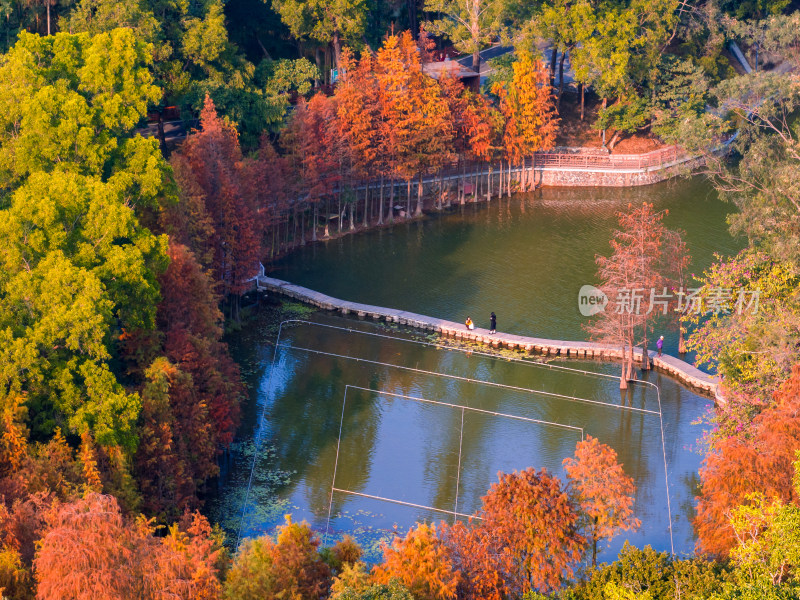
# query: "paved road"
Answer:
x=498 y=50
x=173 y=130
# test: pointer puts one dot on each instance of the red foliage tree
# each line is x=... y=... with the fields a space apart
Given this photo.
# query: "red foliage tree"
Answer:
x=602 y=490
x=636 y=266
x=739 y=466
x=191 y=398
x=221 y=208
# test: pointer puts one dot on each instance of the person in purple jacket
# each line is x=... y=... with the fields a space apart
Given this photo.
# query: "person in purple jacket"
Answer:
x=660 y=344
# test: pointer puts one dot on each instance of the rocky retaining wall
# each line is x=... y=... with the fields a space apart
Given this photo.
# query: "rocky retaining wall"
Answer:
x=566 y=177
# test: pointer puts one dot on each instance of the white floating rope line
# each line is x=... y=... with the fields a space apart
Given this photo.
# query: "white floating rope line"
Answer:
x=463 y=407
x=269 y=387
x=470 y=380
x=404 y=503
x=468 y=351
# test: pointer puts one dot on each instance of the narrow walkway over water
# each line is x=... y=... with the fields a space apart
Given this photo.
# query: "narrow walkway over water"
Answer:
x=679 y=369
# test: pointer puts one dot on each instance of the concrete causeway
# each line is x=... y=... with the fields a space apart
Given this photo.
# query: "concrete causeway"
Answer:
x=674 y=367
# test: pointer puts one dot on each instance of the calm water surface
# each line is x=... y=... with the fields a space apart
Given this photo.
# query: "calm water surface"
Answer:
x=383 y=417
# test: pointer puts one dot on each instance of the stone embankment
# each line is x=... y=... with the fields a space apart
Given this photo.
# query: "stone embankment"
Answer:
x=674 y=367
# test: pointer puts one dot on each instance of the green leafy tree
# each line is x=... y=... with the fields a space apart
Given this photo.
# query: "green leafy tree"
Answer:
x=752 y=333
x=325 y=21
x=767 y=555
x=470 y=24
x=390 y=591
x=290 y=567
x=192 y=57
x=77 y=268
x=644 y=572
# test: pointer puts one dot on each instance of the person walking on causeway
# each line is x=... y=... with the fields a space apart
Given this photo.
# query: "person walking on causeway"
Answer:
x=660 y=344
x=469 y=323
x=492 y=323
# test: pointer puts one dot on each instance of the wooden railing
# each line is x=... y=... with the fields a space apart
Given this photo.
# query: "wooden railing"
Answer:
x=656 y=158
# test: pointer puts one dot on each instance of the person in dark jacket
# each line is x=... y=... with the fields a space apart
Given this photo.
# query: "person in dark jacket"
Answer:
x=492 y=323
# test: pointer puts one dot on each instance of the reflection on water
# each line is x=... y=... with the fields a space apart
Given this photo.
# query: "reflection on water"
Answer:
x=523 y=259
x=394 y=446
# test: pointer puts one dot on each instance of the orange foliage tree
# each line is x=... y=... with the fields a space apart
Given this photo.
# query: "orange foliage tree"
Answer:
x=739 y=466
x=474 y=557
x=90 y=551
x=533 y=526
x=531 y=121
x=415 y=118
x=359 y=120
x=526 y=541
x=637 y=265
x=602 y=491
x=422 y=563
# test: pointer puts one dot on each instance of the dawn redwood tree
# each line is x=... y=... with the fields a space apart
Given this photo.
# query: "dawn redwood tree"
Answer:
x=532 y=528
x=309 y=144
x=422 y=563
x=676 y=259
x=602 y=490
x=91 y=551
x=472 y=554
x=636 y=266
x=474 y=121
x=359 y=120
x=531 y=121
x=757 y=458
x=215 y=159
x=267 y=179
x=190 y=319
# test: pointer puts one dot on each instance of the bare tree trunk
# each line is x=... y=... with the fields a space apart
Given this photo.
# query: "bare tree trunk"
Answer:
x=366 y=205
x=411 y=5
x=623 y=380
x=47 y=2
x=500 y=180
x=681 y=340
x=488 y=182
x=583 y=94
x=418 y=212
x=553 y=57
x=380 y=204
x=408 y=199
x=162 y=138
x=339 y=210
x=560 y=80
x=390 y=218
x=337 y=50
